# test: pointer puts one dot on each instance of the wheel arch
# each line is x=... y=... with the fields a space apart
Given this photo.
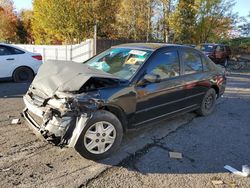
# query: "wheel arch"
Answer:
x=119 y=113
x=23 y=66
x=217 y=90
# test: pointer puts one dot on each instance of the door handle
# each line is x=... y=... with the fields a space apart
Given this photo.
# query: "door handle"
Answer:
x=10 y=59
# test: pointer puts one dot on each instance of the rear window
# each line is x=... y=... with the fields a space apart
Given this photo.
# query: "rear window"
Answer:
x=205 y=48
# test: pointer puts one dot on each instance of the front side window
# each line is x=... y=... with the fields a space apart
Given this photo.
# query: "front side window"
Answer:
x=121 y=62
x=165 y=64
x=4 y=51
x=192 y=62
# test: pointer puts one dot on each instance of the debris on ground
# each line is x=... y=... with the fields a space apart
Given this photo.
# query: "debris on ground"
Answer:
x=217 y=182
x=232 y=184
x=5 y=170
x=175 y=155
x=245 y=170
x=15 y=121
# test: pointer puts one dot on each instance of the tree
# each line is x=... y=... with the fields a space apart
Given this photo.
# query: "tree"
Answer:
x=183 y=20
x=134 y=19
x=24 y=30
x=103 y=13
x=161 y=26
x=8 y=21
x=214 y=20
x=244 y=27
x=72 y=20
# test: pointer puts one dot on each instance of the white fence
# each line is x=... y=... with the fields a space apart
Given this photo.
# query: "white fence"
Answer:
x=78 y=53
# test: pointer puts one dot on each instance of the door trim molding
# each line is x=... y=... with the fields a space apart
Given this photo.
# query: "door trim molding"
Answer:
x=161 y=116
x=168 y=103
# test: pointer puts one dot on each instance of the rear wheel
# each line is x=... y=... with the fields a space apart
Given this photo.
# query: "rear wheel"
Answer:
x=101 y=136
x=23 y=74
x=208 y=103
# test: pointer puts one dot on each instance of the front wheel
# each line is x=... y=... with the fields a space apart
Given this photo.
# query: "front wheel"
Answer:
x=101 y=136
x=208 y=103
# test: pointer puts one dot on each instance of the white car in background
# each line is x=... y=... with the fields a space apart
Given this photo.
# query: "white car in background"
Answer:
x=18 y=64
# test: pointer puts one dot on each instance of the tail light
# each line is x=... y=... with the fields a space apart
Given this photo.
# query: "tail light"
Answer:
x=38 y=57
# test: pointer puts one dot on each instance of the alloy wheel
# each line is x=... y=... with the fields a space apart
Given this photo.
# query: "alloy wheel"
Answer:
x=99 y=137
x=209 y=102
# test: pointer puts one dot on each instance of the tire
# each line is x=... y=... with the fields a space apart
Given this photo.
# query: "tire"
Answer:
x=208 y=103
x=95 y=141
x=23 y=74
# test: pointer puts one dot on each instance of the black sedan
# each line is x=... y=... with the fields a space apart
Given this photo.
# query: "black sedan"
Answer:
x=90 y=106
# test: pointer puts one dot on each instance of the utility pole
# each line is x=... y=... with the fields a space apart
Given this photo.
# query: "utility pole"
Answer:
x=149 y=18
x=95 y=39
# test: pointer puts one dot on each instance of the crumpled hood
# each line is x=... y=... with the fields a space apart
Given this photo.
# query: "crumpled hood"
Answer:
x=65 y=76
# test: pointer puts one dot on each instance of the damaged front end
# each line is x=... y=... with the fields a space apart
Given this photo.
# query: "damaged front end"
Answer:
x=61 y=118
x=61 y=99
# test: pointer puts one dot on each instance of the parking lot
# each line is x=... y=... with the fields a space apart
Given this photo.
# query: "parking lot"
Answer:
x=206 y=143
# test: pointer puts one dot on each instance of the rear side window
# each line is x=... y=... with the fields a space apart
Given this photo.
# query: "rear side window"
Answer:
x=207 y=64
x=15 y=51
x=165 y=64
x=192 y=62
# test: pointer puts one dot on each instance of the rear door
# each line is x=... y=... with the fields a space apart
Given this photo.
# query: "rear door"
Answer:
x=156 y=100
x=196 y=78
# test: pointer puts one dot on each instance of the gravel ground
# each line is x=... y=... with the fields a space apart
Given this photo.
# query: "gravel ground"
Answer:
x=207 y=144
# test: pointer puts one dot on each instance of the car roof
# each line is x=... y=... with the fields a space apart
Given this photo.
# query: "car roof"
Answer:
x=147 y=46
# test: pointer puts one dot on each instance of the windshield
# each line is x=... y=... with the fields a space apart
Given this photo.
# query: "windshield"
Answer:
x=205 y=48
x=121 y=62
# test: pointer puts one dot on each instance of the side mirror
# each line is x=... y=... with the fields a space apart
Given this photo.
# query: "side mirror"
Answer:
x=150 y=78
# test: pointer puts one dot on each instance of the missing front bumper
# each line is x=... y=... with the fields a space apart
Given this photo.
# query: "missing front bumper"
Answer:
x=32 y=123
x=66 y=129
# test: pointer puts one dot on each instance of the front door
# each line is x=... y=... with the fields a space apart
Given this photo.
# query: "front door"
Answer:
x=156 y=100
